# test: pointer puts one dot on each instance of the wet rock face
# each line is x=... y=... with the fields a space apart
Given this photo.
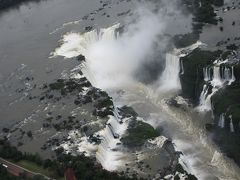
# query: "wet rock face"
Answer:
x=237 y=72
x=192 y=80
x=227 y=100
x=225 y=129
x=225 y=103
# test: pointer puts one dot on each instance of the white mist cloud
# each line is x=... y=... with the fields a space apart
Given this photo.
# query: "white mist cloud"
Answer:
x=112 y=61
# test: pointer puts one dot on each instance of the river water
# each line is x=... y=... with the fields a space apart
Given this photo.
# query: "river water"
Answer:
x=26 y=39
x=29 y=34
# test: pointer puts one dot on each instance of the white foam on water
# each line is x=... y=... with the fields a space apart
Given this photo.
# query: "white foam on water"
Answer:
x=159 y=141
x=108 y=153
x=205 y=102
x=74 y=44
x=81 y=143
x=219 y=160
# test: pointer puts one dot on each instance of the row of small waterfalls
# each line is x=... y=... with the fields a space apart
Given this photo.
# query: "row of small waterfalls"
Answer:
x=216 y=77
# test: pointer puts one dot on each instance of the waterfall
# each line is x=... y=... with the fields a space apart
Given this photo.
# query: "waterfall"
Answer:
x=227 y=74
x=170 y=76
x=232 y=77
x=207 y=73
x=100 y=72
x=216 y=79
x=107 y=153
x=182 y=68
x=231 y=124
x=205 y=103
x=221 y=122
x=169 y=79
x=74 y=44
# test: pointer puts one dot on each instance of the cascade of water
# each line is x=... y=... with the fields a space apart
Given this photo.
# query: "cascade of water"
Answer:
x=203 y=95
x=227 y=74
x=221 y=122
x=207 y=73
x=231 y=124
x=170 y=77
x=107 y=154
x=116 y=114
x=232 y=76
x=205 y=99
x=216 y=81
x=109 y=34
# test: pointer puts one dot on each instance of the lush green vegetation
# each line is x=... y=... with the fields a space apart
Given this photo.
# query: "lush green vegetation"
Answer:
x=185 y=40
x=102 y=103
x=137 y=134
x=62 y=88
x=34 y=167
x=203 y=11
x=127 y=111
x=85 y=168
x=69 y=86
